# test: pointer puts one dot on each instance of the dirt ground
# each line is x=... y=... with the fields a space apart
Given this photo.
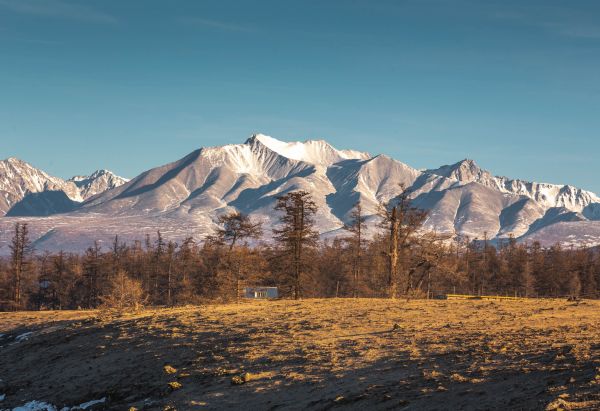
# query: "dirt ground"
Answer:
x=311 y=354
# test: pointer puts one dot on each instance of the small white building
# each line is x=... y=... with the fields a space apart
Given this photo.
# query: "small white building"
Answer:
x=260 y=293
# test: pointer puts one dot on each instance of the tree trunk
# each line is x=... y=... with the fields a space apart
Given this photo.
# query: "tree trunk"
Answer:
x=358 y=256
x=393 y=255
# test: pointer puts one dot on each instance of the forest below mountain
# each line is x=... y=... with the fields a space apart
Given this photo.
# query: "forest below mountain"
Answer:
x=400 y=260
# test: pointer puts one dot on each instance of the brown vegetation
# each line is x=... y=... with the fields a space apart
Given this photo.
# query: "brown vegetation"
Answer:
x=311 y=354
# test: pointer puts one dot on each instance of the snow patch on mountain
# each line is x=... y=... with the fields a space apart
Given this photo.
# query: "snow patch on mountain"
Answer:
x=317 y=152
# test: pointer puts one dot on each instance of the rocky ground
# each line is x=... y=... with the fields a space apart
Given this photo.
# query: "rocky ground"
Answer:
x=311 y=354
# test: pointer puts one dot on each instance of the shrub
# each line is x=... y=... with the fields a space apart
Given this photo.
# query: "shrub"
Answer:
x=124 y=294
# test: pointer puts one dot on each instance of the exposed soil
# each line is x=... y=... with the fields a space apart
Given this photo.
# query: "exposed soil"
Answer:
x=311 y=354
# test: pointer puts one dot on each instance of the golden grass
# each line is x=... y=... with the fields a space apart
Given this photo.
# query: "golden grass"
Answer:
x=352 y=353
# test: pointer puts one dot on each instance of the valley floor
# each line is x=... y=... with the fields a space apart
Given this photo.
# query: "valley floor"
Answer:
x=310 y=354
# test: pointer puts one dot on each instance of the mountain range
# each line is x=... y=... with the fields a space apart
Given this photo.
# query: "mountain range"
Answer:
x=184 y=197
x=29 y=191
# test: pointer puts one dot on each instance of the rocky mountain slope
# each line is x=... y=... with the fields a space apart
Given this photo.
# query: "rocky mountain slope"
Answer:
x=97 y=182
x=26 y=190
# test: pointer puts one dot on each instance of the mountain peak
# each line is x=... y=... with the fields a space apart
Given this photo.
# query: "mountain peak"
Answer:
x=96 y=183
x=97 y=174
x=465 y=171
x=19 y=179
x=467 y=162
x=295 y=150
x=16 y=162
x=318 y=152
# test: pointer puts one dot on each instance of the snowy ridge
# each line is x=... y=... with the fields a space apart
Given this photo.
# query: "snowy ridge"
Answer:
x=548 y=195
x=18 y=179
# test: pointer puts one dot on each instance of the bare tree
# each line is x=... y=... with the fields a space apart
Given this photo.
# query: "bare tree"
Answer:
x=118 y=251
x=159 y=251
x=356 y=227
x=92 y=268
x=171 y=247
x=235 y=227
x=297 y=230
x=427 y=253
x=20 y=249
x=186 y=259
x=401 y=221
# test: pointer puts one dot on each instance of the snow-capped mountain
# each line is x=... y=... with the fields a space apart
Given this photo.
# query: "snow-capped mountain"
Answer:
x=548 y=195
x=27 y=190
x=17 y=178
x=245 y=176
x=184 y=197
x=97 y=182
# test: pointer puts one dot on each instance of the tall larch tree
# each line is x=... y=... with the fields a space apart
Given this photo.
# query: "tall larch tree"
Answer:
x=296 y=231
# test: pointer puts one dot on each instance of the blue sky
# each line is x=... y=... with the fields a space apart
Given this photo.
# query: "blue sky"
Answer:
x=128 y=85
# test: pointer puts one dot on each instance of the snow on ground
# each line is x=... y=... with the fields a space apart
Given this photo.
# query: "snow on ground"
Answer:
x=36 y=406
x=89 y=404
x=23 y=337
x=44 y=406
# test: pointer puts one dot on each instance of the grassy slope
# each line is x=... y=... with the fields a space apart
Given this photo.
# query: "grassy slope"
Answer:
x=312 y=354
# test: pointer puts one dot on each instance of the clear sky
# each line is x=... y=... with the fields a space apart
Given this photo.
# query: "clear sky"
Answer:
x=128 y=85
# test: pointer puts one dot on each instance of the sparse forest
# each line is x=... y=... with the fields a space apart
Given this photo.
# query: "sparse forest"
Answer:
x=399 y=260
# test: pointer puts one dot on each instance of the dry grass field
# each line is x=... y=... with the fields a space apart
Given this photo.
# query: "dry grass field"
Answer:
x=311 y=354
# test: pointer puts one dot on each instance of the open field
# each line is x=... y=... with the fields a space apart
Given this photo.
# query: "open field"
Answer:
x=315 y=354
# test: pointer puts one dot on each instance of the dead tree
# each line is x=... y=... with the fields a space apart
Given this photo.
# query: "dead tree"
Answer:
x=296 y=231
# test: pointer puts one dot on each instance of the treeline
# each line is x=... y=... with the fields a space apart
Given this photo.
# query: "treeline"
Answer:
x=399 y=260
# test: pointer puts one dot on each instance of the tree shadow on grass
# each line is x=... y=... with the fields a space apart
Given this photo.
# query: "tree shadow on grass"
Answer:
x=124 y=359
